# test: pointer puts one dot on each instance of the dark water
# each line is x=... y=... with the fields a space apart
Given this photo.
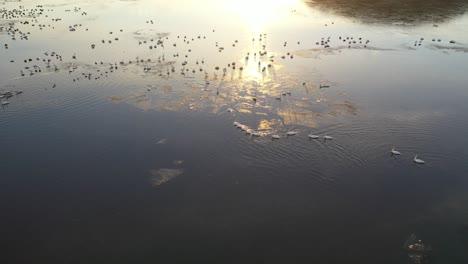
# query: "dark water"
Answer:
x=80 y=160
x=382 y=11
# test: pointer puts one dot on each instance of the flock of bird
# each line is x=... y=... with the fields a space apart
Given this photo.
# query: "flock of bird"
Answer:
x=275 y=136
x=8 y=94
x=55 y=62
x=415 y=159
x=254 y=133
x=263 y=58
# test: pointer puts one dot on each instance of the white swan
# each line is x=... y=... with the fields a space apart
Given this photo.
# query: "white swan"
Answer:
x=312 y=136
x=394 y=152
x=275 y=136
x=291 y=133
x=327 y=137
x=418 y=161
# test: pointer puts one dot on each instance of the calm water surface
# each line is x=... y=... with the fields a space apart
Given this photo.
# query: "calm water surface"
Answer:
x=122 y=148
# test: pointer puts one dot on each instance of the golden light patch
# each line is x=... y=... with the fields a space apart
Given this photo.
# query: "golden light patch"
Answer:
x=302 y=118
x=245 y=111
x=116 y=99
x=269 y=124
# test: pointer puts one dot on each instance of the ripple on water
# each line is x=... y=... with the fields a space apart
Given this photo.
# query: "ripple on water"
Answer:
x=40 y=101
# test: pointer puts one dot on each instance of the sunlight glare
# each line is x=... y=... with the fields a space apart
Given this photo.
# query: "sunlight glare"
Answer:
x=259 y=14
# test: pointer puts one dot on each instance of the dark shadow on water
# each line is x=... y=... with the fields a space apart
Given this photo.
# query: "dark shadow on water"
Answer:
x=394 y=11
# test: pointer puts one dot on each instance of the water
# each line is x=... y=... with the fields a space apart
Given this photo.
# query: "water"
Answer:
x=139 y=163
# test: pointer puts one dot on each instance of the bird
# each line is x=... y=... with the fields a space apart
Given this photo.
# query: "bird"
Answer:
x=312 y=136
x=327 y=137
x=291 y=133
x=394 y=152
x=418 y=161
x=275 y=136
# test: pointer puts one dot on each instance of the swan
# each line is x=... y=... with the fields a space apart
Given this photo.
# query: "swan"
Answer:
x=312 y=136
x=327 y=137
x=275 y=136
x=418 y=161
x=291 y=133
x=394 y=152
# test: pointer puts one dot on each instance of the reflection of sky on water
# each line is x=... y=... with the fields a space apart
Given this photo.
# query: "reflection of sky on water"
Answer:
x=197 y=41
x=386 y=92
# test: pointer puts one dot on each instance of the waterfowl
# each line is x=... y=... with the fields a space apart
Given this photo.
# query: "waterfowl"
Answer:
x=394 y=152
x=275 y=136
x=291 y=133
x=418 y=161
x=312 y=136
x=326 y=137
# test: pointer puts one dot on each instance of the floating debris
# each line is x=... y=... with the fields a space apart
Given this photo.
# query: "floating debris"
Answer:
x=161 y=176
x=162 y=141
x=417 y=250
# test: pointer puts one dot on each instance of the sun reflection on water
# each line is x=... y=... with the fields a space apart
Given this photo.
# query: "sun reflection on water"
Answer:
x=258 y=15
